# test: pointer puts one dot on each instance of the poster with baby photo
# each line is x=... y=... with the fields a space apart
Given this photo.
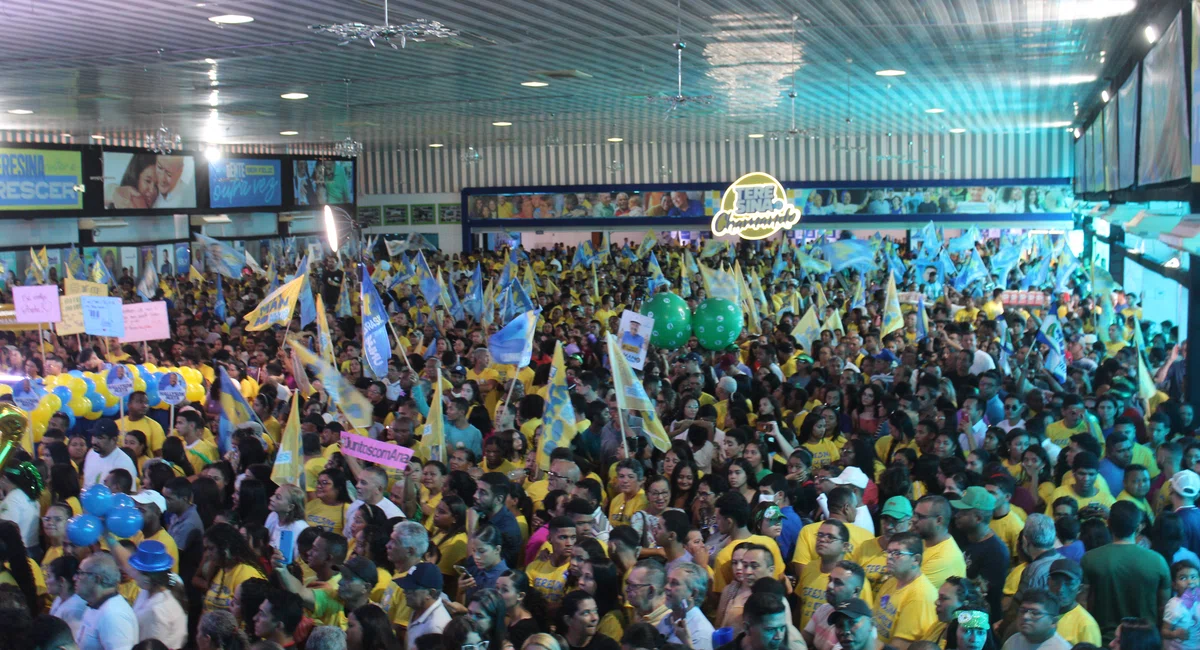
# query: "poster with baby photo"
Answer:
x=147 y=181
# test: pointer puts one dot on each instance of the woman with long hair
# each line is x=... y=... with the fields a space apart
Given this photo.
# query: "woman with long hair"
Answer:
x=18 y=567
x=599 y=578
x=175 y=453
x=1039 y=477
x=486 y=608
x=685 y=480
x=218 y=630
x=135 y=442
x=54 y=530
x=328 y=510
x=250 y=502
x=680 y=452
x=859 y=452
x=742 y=479
x=287 y=513
x=450 y=537
x=64 y=486
x=524 y=606
x=585 y=550
x=815 y=436
x=579 y=620
x=759 y=457
x=227 y=562
x=368 y=628
x=206 y=496
x=735 y=595
x=368 y=514
x=222 y=473
x=1169 y=539
x=868 y=415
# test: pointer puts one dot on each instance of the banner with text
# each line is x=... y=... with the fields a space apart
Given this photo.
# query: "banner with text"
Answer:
x=244 y=183
x=40 y=179
x=369 y=449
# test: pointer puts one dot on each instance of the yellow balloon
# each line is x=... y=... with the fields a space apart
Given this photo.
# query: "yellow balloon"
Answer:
x=41 y=414
x=39 y=428
x=50 y=382
x=110 y=399
x=5 y=389
x=77 y=386
x=92 y=415
x=51 y=401
x=80 y=405
x=194 y=393
x=150 y=367
x=133 y=371
x=139 y=384
x=192 y=376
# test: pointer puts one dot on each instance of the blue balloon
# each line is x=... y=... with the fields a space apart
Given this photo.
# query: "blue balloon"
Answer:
x=91 y=385
x=96 y=399
x=97 y=500
x=122 y=501
x=152 y=390
x=63 y=393
x=76 y=373
x=70 y=417
x=85 y=530
x=124 y=521
x=111 y=411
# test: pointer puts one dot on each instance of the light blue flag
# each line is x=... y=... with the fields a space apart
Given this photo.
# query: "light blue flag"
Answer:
x=432 y=349
x=234 y=410
x=928 y=236
x=964 y=242
x=376 y=348
x=456 y=305
x=221 y=257
x=516 y=301
x=1003 y=261
x=896 y=266
x=1038 y=276
x=971 y=273
x=148 y=285
x=780 y=265
x=657 y=279
x=221 y=310
x=308 y=308
x=427 y=282
x=75 y=264
x=628 y=253
x=472 y=302
x=513 y=343
x=849 y=254
x=922 y=319
x=1067 y=265
x=1051 y=334
x=100 y=272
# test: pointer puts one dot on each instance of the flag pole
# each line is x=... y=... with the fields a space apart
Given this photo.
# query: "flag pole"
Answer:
x=511 y=386
x=624 y=434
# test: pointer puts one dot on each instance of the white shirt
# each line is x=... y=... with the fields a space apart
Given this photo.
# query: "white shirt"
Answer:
x=70 y=610
x=274 y=527
x=862 y=519
x=112 y=626
x=384 y=504
x=96 y=467
x=431 y=621
x=183 y=196
x=698 y=628
x=161 y=617
x=18 y=508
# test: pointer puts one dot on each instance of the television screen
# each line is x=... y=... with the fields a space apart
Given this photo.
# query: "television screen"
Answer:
x=1096 y=164
x=323 y=182
x=244 y=183
x=144 y=181
x=1110 y=146
x=1080 y=164
x=40 y=179
x=1164 y=110
x=1127 y=111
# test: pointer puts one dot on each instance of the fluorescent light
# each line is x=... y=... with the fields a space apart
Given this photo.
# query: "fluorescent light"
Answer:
x=1062 y=80
x=958 y=130
x=615 y=139
x=20 y=111
x=1104 y=96
x=1077 y=134
x=213 y=153
x=214 y=98
x=436 y=145
x=1151 y=34
x=890 y=73
x=1057 y=125
x=210 y=61
x=534 y=84
x=501 y=123
x=294 y=95
x=231 y=19
x=1172 y=263
x=1094 y=9
x=97 y=137
x=289 y=133
x=755 y=135
x=67 y=135
x=935 y=111
x=331 y=229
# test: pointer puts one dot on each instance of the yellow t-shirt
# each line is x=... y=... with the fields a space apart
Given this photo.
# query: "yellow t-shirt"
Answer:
x=52 y=554
x=806 y=543
x=824 y=452
x=1142 y=505
x=549 y=580
x=942 y=561
x=871 y=557
x=382 y=580
x=905 y=612
x=1014 y=579
x=201 y=454
x=723 y=562
x=326 y=517
x=1144 y=456
x=505 y=467
x=966 y=315
x=164 y=538
x=812 y=586
x=394 y=604
x=39 y=578
x=1101 y=497
x=1078 y=626
x=1059 y=434
x=220 y=590
x=429 y=503
x=149 y=427
x=313 y=467
x=537 y=491
x=1008 y=528
x=453 y=550
x=621 y=513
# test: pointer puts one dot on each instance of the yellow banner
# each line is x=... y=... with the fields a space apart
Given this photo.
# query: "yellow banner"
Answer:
x=277 y=308
x=73 y=287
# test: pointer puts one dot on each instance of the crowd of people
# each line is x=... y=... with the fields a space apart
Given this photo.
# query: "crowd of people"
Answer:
x=909 y=487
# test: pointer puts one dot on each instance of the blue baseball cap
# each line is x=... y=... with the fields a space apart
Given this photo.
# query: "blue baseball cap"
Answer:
x=422 y=576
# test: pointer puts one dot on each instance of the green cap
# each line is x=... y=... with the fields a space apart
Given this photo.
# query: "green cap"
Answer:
x=897 y=508
x=973 y=619
x=975 y=498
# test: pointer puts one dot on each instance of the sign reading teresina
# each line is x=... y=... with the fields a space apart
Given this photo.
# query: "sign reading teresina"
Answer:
x=754 y=207
x=40 y=179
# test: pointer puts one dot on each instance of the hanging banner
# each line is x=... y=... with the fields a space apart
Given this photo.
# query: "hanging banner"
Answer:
x=40 y=179
x=754 y=207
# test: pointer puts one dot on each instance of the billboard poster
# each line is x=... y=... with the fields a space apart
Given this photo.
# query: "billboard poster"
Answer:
x=244 y=183
x=144 y=181
x=40 y=179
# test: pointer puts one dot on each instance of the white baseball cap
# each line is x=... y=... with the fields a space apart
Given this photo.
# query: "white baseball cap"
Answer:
x=1186 y=483
x=151 y=496
x=855 y=476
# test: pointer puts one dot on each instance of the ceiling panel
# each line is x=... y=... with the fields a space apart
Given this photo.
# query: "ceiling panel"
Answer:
x=995 y=66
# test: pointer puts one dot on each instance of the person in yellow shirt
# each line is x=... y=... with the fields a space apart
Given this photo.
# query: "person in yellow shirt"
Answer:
x=136 y=420
x=905 y=604
x=228 y=562
x=940 y=557
x=1006 y=523
x=968 y=313
x=201 y=453
x=813 y=437
x=733 y=517
x=1073 y=421
x=843 y=506
x=832 y=540
x=1137 y=486
x=549 y=576
x=1075 y=624
x=630 y=497
x=152 y=505
x=1085 y=468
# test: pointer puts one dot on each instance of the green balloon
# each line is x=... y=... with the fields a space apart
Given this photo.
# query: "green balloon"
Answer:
x=717 y=323
x=672 y=320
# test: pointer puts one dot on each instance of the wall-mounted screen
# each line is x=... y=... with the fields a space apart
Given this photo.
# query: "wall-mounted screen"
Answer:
x=146 y=181
x=1127 y=112
x=1080 y=178
x=323 y=182
x=1111 y=126
x=1096 y=165
x=1164 y=131
x=244 y=183
x=40 y=179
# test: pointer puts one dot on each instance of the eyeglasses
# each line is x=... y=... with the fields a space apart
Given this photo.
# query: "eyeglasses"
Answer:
x=482 y=645
x=633 y=586
x=554 y=475
x=898 y=553
x=53 y=520
x=826 y=537
x=324 y=483
x=85 y=574
x=1031 y=613
x=660 y=493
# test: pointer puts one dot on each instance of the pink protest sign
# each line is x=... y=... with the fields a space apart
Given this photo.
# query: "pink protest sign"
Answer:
x=37 y=304
x=145 y=321
x=382 y=453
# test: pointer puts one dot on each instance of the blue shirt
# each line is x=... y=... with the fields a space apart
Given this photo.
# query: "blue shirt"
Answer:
x=468 y=436
x=791 y=531
x=1190 y=518
x=1113 y=475
x=484 y=578
x=506 y=523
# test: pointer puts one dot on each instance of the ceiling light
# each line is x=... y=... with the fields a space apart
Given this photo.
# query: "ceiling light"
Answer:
x=1093 y=9
x=1057 y=125
x=67 y=135
x=20 y=111
x=958 y=130
x=1076 y=134
x=289 y=133
x=214 y=98
x=616 y=139
x=230 y=19
x=1172 y=263
x=534 y=84
x=294 y=96
x=755 y=135
x=436 y=145
x=1063 y=80
x=889 y=73
x=212 y=153
x=97 y=137
x=1104 y=96
x=210 y=61
x=1151 y=34
x=935 y=111
x=501 y=123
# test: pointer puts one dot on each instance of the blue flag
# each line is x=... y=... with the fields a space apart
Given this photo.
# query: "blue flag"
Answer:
x=922 y=319
x=473 y=302
x=971 y=273
x=849 y=254
x=221 y=309
x=516 y=301
x=513 y=343
x=432 y=349
x=221 y=257
x=1051 y=334
x=234 y=409
x=657 y=279
x=376 y=348
x=427 y=282
x=964 y=242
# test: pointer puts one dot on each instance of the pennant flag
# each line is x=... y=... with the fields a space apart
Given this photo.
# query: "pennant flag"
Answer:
x=148 y=285
x=427 y=282
x=529 y=283
x=648 y=243
x=356 y=407
x=324 y=340
x=289 y=462
x=221 y=310
x=234 y=408
x=657 y=279
x=631 y=395
x=36 y=273
x=749 y=308
x=849 y=254
x=859 y=299
x=719 y=284
x=711 y=247
x=895 y=265
x=558 y=420
x=75 y=264
x=431 y=350
x=971 y=273
x=1003 y=261
x=514 y=301
x=221 y=257
x=893 y=319
x=807 y=330
x=376 y=347
x=928 y=237
x=276 y=308
x=433 y=436
x=922 y=319
x=1051 y=334
x=513 y=343
x=965 y=241
x=308 y=309
x=342 y=309
x=822 y=301
x=1146 y=387
x=1038 y=276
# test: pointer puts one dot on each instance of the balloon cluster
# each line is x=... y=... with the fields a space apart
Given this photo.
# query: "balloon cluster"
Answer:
x=716 y=323
x=103 y=509
x=86 y=395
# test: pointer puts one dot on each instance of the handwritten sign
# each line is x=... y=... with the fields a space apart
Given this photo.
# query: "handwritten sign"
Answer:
x=102 y=316
x=381 y=453
x=37 y=304
x=145 y=321
x=8 y=320
x=73 y=287
x=72 y=315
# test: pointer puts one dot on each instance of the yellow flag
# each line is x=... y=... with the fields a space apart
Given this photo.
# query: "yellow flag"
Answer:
x=748 y=304
x=834 y=322
x=822 y=301
x=530 y=282
x=324 y=340
x=631 y=396
x=719 y=284
x=276 y=308
x=489 y=299
x=807 y=330
x=353 y=403
x=433 y=436
x=893 y=319
x=558 y=422
x=289 y=462
x=595 y=286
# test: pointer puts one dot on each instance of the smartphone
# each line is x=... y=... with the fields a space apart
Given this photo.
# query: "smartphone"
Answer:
x=287 y=545
x=461 y=570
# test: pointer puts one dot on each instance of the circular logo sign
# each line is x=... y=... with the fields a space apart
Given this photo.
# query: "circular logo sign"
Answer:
x=754 y=207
